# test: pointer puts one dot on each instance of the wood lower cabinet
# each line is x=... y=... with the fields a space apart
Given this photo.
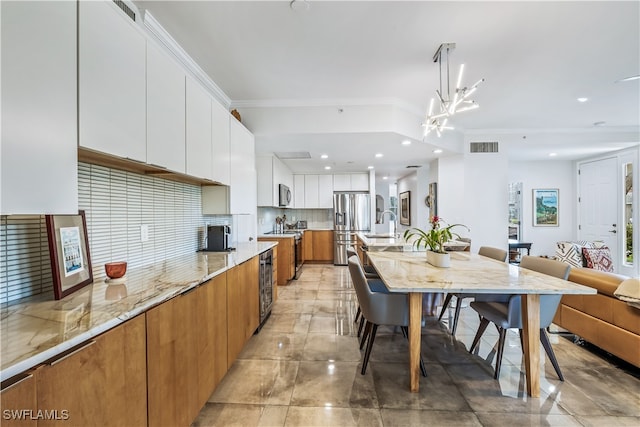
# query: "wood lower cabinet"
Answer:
x=17 y=399
x=286 y=258
x=211 y=320
x=318 y=246
x=172 y=340
x=243 y=311
x=102 y=382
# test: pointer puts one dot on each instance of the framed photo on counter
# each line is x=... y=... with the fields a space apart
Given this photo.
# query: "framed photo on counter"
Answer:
x=405 y=208
x=69 y=253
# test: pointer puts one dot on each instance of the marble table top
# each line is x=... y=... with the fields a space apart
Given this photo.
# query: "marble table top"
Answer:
x=469 y=273
x=33 y=332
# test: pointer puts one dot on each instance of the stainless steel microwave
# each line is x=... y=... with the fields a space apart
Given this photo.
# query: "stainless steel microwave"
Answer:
x=285 y=196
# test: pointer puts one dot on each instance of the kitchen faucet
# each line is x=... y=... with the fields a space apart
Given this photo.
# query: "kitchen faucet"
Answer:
x=393 y=217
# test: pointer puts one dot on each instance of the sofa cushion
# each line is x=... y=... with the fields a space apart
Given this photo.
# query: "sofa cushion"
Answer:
x=598 y=258
x=629 y=292
x=604 y=282
x=571 y=252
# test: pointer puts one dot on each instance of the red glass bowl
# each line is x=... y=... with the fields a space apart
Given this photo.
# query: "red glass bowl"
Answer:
x=115 y=270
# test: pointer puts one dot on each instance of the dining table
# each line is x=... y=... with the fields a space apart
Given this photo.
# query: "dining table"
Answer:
x=409 y=272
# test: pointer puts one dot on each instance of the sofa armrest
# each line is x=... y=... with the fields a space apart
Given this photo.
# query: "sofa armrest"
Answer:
x=604 y=282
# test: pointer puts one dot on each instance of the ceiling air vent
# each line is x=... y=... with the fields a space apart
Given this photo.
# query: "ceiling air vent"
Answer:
x=126 y=9
x=483 y=147
x=413 y=166
x=293 y=155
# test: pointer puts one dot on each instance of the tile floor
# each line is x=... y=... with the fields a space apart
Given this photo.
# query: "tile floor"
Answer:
x=303 y=369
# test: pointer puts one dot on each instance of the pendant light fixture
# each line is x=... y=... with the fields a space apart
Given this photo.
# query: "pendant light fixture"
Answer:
x=437 y=120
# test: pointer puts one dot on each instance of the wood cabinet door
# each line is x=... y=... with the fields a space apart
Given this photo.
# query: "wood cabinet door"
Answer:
x=211 y=320
x=103 y=382
x=243 y=307
x=307 y=248
x=17 y=399
x=252 y=285
x=172 y=361
x=323 y=245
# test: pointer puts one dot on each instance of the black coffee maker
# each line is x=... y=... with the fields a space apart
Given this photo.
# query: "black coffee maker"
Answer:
x=218 y=237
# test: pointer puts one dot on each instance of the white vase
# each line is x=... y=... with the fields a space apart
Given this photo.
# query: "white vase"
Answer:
x=438 y=260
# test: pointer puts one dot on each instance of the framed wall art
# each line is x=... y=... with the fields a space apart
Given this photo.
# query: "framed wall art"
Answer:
x=545 y=207
x=69 y=253
x=405 y=208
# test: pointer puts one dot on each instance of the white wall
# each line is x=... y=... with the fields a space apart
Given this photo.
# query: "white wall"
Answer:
x=546 y=174
x=450 y=191
x=409 y=183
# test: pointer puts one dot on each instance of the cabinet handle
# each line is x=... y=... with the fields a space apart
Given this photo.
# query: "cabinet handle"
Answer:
x=10 y=386
x=87 y=345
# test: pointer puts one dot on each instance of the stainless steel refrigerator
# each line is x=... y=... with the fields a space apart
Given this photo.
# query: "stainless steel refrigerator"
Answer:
x=352 y=213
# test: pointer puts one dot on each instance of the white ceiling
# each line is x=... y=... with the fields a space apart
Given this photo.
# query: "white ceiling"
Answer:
x=536 y=58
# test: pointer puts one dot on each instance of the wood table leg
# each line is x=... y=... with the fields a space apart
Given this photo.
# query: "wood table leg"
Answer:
x=415 y=328
x=531 y=341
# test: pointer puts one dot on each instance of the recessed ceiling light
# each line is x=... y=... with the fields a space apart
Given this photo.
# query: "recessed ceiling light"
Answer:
x=369 y=167
x=583 y=99
x=406 y=142
x=628 y=79
x=437 y=151
x=379 y=155
x=324 y=156
x=553 y=154
x=327 y=167
x=385 y=177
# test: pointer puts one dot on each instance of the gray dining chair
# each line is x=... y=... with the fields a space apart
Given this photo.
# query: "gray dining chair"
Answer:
x=378 y=308
x=374 y=282
x=488 y=251
x=508 y=315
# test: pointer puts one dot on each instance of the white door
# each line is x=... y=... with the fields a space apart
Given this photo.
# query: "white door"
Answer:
x=598 y=207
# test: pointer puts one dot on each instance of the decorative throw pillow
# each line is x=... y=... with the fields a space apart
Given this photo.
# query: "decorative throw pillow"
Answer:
x=598 y=258
x=571 y=252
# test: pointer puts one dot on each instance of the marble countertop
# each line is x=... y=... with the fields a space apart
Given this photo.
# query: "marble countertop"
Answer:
x=389 y=243
x=469 y=273
x=34 y=332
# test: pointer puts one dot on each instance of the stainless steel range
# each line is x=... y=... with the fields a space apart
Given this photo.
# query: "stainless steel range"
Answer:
x=297 y=251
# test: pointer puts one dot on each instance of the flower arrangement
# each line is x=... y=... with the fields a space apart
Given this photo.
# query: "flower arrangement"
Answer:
x=435 y=238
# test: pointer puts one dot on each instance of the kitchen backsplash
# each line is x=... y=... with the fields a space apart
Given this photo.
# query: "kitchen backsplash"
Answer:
x=116 y=204
x=321 y=219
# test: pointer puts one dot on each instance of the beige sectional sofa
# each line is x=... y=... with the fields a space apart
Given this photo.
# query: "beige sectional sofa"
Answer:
x=602 y=319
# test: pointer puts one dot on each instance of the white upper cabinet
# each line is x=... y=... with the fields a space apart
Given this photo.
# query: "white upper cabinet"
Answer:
x=165 y=111
x=111 y=81
x=311 y=191
x=220 y=137
x=351 y=182
x=318 y=191
x=198 y=131
x=39 y=108
x=271 y=173
x=243 y=199
x=298 y=191
x=240 y=197
x=359 y=182
x=325 y=191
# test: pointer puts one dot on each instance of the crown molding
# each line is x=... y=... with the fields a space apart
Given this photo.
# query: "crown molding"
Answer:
x=157 y=32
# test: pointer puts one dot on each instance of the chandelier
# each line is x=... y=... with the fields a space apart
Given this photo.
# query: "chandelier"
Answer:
x=437 y=121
